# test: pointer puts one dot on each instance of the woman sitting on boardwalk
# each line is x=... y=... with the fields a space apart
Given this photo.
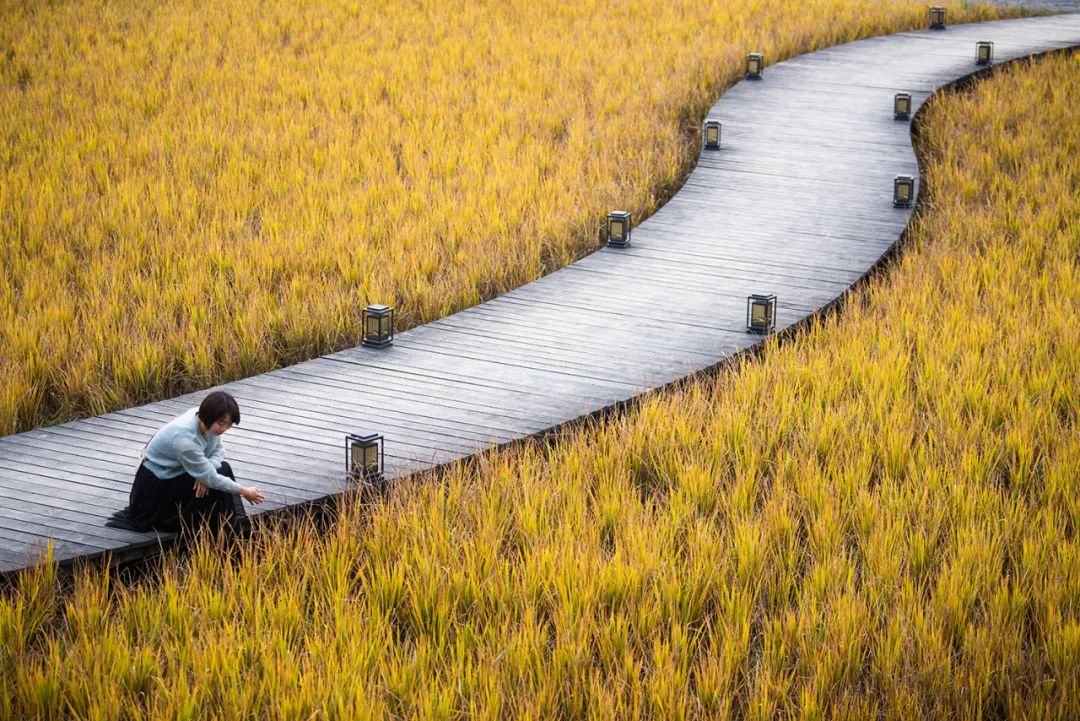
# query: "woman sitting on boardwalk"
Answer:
x=183 y=480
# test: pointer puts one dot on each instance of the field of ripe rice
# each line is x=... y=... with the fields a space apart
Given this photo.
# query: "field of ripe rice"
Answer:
x=192 y=192
x=875 y=520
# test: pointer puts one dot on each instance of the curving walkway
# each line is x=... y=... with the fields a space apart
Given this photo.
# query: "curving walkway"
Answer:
x=797 y=203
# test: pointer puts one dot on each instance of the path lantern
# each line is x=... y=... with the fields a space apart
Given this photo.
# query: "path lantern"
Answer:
x=937 y=18
x=364 y=457
x=378 y=322
x=712 y=134
x=618 y=228
x=984 y=52
x=902 y=106
x=755 y=65
x=903 y=191
x=760 y=313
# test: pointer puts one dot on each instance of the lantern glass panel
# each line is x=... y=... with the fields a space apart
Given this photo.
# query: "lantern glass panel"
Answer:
x=372 y=328
x=713 y=134
x=903 y=191
x=616 y=229
x=759 y=314
x=357 y=452
x=364 y=456
x=903 y=104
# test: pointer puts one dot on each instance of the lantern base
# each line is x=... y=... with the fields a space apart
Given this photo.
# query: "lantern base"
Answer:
x=618 y=243
x=378 y=343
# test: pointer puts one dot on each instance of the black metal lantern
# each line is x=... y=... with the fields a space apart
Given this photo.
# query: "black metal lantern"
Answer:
x=618 y=228
x=903 y=191
x=755 y=65
x=984 y=52
x=902 y=106
x=378 y=322
x=760 y=313
x=364 y=457
x=712 y=134
x=937 y=18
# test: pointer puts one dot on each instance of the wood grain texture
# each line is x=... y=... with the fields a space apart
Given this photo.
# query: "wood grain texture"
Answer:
x=798 y=202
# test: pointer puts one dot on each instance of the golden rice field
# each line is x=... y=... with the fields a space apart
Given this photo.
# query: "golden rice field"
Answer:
x=874 y=520
x=193 y=192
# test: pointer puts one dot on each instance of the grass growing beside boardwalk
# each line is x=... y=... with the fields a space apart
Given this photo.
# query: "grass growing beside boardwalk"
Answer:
x=193 y=192
x=875 y=520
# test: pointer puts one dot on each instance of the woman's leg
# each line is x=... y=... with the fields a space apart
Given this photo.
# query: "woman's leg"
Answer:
x=219 y=507
x=154 y=503
x=169 y=505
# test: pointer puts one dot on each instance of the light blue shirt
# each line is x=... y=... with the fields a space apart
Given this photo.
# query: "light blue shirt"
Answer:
x=179 y=448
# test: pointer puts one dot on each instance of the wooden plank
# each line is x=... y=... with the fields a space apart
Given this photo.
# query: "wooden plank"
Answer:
x=489 y=396
x=620 y=280
x=466 y=378
x=731 y=323
x=44 y=495
x=509 y=418
x=793 y=246
x=551 y=330
x=492 y=367
x=395 y=377
x=346 y=395
x=640 y=262
x=30 y=537
x=677 y=350
x=54 y=523
x=15 y=557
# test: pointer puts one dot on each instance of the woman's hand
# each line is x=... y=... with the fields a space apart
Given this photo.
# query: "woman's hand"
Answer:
x=201 y=489
x=251 y=494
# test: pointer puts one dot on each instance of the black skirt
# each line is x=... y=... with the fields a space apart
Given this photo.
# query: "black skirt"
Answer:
x=170 y=505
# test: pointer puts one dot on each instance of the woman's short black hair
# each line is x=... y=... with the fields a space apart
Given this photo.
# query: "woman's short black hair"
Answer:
x=216 y=405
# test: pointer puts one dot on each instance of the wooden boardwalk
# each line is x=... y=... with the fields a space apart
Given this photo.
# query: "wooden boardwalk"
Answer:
x=798 y=202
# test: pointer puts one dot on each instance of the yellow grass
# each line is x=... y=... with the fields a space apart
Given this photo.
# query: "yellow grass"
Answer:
x=192 y=192
x=876 y=520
